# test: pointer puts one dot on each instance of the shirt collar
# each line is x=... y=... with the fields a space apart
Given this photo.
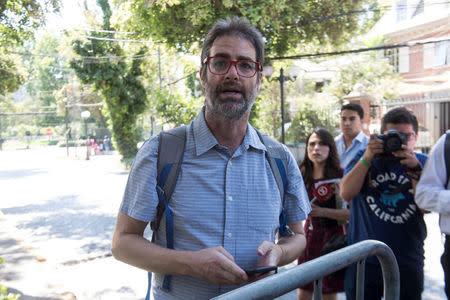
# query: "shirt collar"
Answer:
x=204 y=140
x=360 y=136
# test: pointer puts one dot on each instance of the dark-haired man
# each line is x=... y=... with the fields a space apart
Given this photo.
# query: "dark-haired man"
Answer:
x=380 y=186
x=352 y=138
x=226 y=203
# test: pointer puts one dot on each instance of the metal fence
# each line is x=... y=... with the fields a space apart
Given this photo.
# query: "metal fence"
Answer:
x=314 y=270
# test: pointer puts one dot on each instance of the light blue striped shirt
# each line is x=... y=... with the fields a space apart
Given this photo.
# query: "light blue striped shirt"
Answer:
x=219 y=199
x=346 y=155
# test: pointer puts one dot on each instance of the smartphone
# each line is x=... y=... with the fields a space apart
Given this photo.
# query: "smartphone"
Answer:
x=261 y=270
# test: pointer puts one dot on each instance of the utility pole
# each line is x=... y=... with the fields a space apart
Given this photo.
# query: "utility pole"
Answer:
x=73 y=113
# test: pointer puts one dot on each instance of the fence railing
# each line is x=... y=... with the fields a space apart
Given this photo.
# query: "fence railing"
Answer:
x=314 y=270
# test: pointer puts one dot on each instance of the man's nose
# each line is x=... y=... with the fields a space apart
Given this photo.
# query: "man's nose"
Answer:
x=232 y=72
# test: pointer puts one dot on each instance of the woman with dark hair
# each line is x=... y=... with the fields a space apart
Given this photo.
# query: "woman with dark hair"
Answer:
x=321 y=172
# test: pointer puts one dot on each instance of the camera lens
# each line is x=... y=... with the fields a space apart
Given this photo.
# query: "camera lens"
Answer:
x=393 y=144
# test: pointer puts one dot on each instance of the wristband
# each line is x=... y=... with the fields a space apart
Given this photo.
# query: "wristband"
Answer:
x=365 y=162
x=414 y=173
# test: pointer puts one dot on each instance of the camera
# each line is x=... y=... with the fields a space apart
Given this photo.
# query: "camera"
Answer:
x=392 y=142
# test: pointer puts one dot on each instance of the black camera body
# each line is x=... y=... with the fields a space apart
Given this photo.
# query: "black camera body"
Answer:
x=392 y=142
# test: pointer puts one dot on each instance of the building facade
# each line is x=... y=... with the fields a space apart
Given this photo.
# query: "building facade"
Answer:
x=421 y=30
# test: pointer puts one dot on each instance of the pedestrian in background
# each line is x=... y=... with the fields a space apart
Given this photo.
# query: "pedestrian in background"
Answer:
x=226 y=204
x=320 y=166
x=89 y=146
x=107 y=144
x=352 y=138
x=433 y=194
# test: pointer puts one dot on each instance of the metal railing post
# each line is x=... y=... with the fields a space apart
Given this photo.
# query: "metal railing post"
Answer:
x=279 y=284
x=360 y=277
x=317 y=294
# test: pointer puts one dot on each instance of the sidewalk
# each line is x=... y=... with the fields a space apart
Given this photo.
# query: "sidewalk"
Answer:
x=56 y=220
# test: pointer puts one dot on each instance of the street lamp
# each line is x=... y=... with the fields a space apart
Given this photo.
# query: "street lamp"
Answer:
x=85 y=115
x=293 y=73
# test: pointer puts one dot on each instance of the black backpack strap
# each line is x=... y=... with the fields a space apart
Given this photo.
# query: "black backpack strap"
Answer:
x=447 y=155
x=276 y=157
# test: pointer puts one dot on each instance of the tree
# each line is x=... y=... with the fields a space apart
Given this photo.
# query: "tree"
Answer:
x=102 y=65
x=10 y=76
x=283 y=23
x=175 y=108
x=373 y=72
x=18 y=20
x=47 y=75
x=310 y=116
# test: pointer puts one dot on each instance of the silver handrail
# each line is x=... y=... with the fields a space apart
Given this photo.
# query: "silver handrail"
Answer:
x=284 y=282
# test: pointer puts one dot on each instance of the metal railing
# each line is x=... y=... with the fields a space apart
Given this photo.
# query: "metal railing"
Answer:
x=314 y=270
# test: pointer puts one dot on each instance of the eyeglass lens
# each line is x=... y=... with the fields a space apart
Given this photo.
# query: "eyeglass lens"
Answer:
x=410 y=135
x=221 y=65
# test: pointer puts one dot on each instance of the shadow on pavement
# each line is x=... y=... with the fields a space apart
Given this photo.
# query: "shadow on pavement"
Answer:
x=64 y=217
x=65 y=296
x=21 y=173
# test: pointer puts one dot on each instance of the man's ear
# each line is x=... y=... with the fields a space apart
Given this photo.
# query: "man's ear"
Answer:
x=201 y=77
x=259 y=80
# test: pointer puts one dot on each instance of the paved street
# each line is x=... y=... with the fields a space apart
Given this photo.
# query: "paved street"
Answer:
x=57 y=214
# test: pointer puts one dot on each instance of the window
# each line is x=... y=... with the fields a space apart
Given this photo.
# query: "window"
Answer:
x=442 y=53
x=401 y=10
x=392 y=56
x=419 y=8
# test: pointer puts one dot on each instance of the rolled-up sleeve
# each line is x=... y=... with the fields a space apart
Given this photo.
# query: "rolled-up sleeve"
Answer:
x=296 y=199
x=140 y=198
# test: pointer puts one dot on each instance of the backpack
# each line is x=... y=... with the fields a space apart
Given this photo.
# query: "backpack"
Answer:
x=171 y=149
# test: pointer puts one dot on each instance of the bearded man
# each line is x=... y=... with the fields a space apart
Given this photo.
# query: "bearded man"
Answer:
x=223 y=216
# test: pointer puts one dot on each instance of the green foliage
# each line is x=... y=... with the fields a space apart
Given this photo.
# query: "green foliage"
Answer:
x=4 y=295
x=18 y=20
x=265 y=114
x=284 y=23
x=374 y=73
x=10 y=77
x=176 y=109
x=192 y=82
x=307 y=118
x=118 y=82
x=47 y=76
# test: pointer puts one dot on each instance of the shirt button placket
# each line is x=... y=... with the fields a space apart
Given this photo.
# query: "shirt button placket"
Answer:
x=228 y=229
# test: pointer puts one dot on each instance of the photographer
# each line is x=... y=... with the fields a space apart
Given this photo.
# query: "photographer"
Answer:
x=379 y=184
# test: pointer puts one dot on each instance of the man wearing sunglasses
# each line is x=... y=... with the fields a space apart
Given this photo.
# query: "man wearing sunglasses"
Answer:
x=226 y=203
x=379 y=185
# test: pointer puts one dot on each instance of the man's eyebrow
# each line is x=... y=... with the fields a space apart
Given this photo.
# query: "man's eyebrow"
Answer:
x=221 y=55
x=245 y=58
x=218 y=54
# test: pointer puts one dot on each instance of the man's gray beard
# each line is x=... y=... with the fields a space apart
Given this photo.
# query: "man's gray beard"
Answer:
x=234 y=112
